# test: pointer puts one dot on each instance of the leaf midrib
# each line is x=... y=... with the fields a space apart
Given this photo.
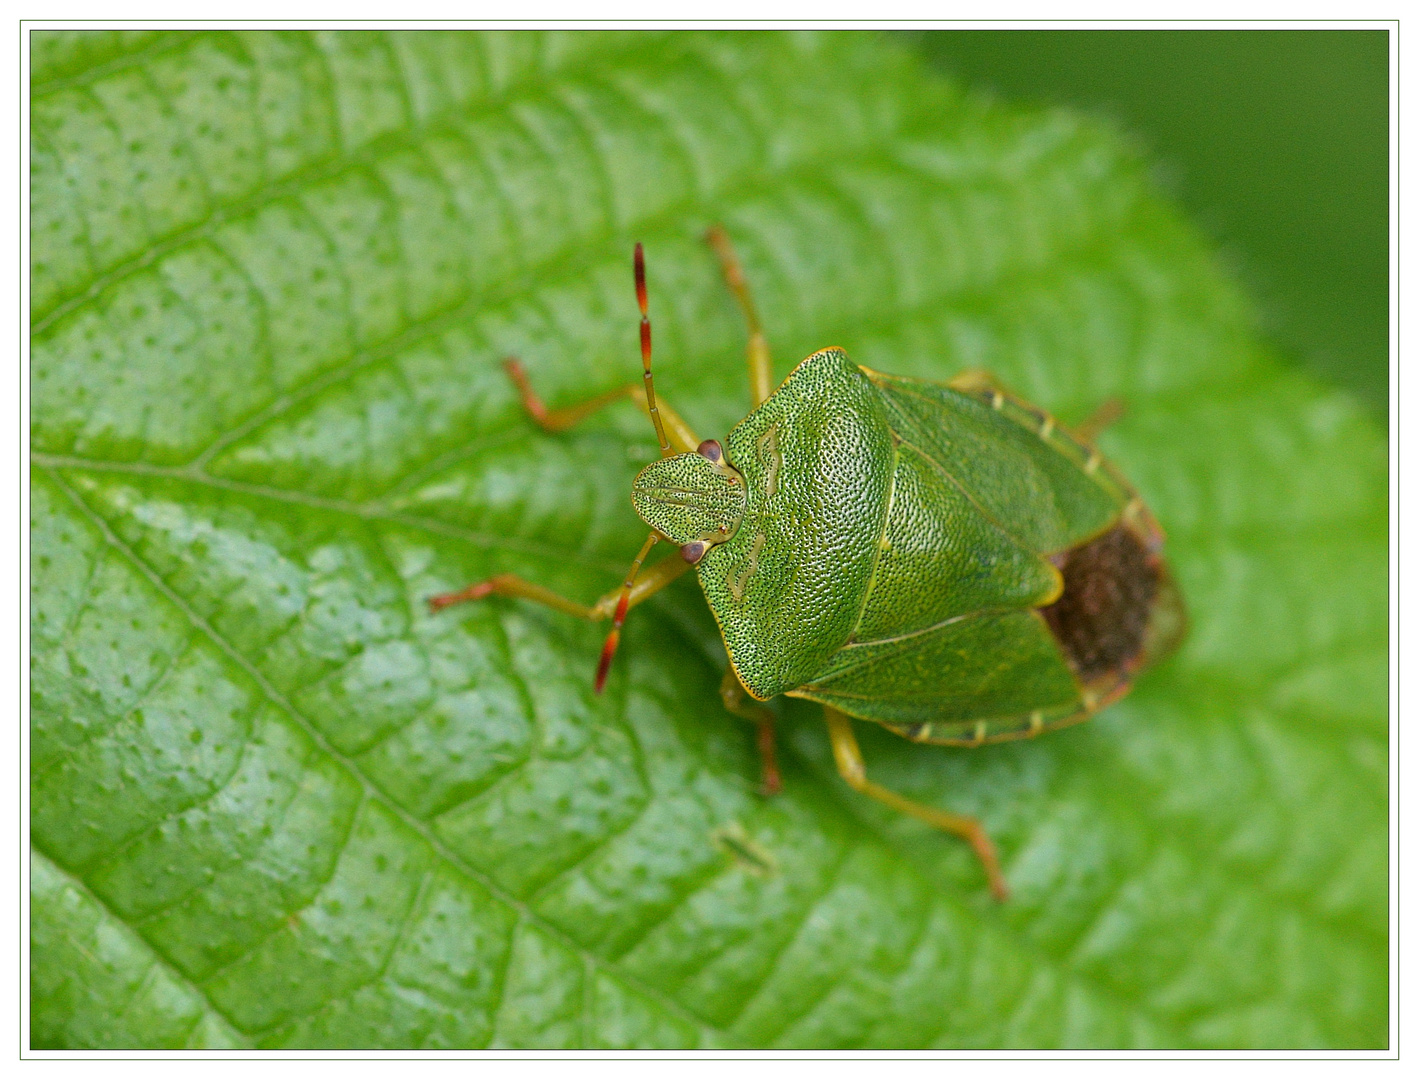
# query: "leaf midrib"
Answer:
x=376 y=509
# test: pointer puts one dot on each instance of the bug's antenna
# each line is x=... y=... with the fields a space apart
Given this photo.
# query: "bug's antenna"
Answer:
x=665 y=450
x=614 y=637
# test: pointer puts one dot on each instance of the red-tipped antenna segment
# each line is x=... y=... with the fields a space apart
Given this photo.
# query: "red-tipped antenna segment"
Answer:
x=623 y=605
x=640 y=280
x=643 y=301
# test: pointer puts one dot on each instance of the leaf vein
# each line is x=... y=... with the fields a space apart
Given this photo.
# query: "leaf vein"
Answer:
x=371 y=789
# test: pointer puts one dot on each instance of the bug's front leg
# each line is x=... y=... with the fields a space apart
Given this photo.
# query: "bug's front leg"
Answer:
x=851 y=767
x=761 y=378
x=681 y=437
x=646 y=585
x=737 y=701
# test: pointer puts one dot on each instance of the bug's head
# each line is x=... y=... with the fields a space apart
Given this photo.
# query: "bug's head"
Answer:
x=695 y=500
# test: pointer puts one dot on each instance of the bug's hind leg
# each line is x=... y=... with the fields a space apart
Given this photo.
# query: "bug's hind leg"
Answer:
x=852 y=769
x=553 y=420
x=737 y=701
x=761 y=378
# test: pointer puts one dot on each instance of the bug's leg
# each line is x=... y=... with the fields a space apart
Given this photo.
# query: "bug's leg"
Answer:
x=852 y=769
x=671 y=432
x=761 y=379
x=978 y=381
x=738 y=701
x=1089 y=430
x=646 y=585
x=984 y=384
x=636 y=588
x=512 y=585
x=682 y=439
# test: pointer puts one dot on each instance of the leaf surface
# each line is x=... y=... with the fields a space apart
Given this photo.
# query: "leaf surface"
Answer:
x=276 y=803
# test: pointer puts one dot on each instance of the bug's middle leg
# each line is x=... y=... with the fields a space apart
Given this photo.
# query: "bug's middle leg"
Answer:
x=737 y=701
x=851 y=767
x=681 y=437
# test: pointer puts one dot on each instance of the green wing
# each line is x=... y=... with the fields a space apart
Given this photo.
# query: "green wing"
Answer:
x=992 y=666
x=949 y=646
x=941 y=557
x=1034 y=481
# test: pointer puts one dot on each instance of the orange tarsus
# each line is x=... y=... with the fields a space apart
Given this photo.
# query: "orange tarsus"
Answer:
x=767 y=754
x=1108 y=412
x=613 y=639
x=530 y=401
x=477 y=591
x=603 y=666
x=985 y=852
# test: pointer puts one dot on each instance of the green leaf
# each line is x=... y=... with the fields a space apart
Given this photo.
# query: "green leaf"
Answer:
x=275 y=802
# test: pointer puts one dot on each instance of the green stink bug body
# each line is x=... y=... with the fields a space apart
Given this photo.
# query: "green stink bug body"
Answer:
x=945 y=560
x=897 y=544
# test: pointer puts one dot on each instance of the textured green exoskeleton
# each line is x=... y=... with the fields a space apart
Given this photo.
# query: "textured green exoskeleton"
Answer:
x=896 y=542
x=943 y=559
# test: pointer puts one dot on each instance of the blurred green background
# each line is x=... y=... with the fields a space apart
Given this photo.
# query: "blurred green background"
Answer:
x=1275 y=141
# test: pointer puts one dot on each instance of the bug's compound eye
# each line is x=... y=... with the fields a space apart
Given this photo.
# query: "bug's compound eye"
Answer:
x=694 y=551
x=711 y=451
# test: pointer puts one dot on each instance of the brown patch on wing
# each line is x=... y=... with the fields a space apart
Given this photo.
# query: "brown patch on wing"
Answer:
x=1101 y=618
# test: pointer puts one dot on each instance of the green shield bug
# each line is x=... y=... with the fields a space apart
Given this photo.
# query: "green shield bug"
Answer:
x=944 y=559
